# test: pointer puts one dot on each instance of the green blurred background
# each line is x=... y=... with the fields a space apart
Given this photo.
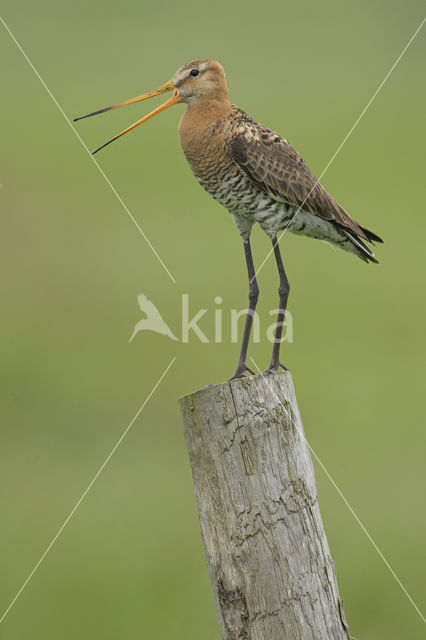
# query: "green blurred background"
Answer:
x=130 y=564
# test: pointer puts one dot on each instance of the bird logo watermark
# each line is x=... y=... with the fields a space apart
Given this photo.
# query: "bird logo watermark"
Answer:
x=223 y=328
x=153 y=320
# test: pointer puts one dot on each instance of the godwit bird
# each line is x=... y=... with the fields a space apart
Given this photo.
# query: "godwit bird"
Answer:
x=256 y=175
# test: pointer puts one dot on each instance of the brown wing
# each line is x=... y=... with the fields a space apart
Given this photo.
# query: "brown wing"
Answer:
x=276 y=168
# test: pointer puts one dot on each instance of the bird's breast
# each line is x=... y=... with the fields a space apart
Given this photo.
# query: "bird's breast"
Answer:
x=206 y=150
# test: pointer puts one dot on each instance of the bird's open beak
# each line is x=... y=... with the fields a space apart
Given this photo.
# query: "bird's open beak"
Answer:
x=166 y=87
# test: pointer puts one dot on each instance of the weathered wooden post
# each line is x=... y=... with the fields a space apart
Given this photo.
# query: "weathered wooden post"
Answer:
x=266 y=550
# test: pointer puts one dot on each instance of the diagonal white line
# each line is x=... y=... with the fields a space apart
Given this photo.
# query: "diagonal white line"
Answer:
x=102 y=172
x=86 y=491
x=343 y=497
x=344 y=140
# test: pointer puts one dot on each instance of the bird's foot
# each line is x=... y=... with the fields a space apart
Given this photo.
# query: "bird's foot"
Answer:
x=241 y=372
x=274 y=367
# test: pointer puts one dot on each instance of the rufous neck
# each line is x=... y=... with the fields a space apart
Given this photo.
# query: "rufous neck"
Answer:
x=210 y=108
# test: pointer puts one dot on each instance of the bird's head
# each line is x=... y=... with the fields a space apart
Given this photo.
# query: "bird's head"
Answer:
x=199 y=79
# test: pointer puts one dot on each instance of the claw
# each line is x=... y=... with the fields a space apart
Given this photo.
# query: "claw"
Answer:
x=241 y=373
x=274 y=368
x=237 y=375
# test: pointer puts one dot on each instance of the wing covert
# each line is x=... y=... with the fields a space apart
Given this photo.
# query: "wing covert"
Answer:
x=276 y=168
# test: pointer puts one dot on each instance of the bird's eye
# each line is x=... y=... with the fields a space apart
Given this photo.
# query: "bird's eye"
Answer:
x=194 y=72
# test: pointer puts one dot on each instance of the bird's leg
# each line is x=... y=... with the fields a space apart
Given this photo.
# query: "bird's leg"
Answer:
x=283 y=291
x=253 y=297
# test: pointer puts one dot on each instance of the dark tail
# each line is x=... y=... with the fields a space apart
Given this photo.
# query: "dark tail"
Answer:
x=356 y=239
x=371 y=237
x=362 y=251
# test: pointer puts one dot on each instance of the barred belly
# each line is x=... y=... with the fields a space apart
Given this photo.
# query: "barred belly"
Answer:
x=248 y=205
x=242 y=198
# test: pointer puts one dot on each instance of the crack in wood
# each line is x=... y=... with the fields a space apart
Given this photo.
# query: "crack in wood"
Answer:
x=234 y=611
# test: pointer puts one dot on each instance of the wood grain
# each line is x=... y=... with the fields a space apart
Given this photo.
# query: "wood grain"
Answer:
x=266 y=550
